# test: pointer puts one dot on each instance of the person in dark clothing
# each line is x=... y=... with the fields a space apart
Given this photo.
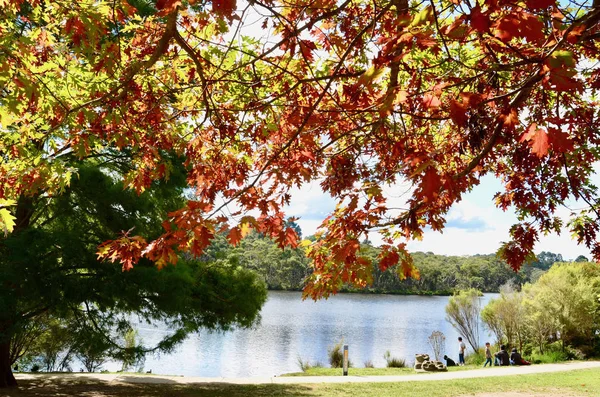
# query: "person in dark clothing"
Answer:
x=516 y=359
x=449 y=362
x=502 y=357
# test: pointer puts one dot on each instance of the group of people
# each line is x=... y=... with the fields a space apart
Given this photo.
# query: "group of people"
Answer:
x=501 y=358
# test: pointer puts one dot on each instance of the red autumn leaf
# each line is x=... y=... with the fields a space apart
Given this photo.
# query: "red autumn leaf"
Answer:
x=306 y=48
x=224 y=7
x=563 y=79
x=458 y=113
x=520 y=25
x=479 y=20
x=202 y=238
x=560 y=140
x=539 y=4
x=166 y=6
x=538 y=140
x=430 y=185
x=388 y=257
x=234 y=236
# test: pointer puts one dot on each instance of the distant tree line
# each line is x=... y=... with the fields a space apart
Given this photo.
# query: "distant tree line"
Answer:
x=287 y=269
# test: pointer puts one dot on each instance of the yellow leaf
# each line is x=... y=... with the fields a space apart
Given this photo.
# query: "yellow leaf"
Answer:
x=7 y=221
x=423 y=17
x=305 y=243
x=370 y=75
x=401 y=96
x=245 y=229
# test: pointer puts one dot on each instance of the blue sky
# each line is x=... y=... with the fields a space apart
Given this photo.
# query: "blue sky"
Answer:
x=474 y=225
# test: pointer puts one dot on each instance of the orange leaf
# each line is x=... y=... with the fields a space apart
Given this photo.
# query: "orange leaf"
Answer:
x=291 y=238
x=538 y=140
x=234 y=236
x=511 y=119
x=431 y=101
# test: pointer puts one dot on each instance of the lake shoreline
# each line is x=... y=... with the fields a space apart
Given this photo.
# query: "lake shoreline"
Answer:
x=382 y=292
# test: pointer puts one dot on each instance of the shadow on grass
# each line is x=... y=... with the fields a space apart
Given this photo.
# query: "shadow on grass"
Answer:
x=65 y=386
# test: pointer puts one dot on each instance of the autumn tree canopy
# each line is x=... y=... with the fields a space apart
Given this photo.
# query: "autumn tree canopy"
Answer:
x=263 y=96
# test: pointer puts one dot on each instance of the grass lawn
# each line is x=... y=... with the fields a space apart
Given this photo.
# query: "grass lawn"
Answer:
x=558 y=384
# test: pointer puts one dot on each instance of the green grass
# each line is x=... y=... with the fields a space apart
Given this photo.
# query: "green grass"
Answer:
x=320 y=371
x=571 y=383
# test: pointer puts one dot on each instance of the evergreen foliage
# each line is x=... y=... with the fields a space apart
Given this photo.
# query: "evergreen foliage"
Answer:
x=52 y=280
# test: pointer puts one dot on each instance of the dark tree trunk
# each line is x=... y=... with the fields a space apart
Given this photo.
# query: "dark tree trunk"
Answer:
x=7 y=378
x=23 y=214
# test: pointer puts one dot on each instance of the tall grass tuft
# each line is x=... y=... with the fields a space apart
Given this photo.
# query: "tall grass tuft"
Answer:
x=307 y=365
x=394 y=362
x=304 y=365
x=336 y=355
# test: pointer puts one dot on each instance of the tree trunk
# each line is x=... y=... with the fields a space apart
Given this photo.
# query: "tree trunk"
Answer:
x=7 y=378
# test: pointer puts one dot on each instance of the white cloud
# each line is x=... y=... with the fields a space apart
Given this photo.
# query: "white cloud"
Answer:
x=474 y=225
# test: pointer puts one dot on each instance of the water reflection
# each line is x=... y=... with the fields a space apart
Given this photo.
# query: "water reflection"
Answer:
x=292 y=328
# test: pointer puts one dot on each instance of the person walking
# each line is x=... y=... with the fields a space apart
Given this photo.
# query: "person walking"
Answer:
x=461 y=351
x=488 y=355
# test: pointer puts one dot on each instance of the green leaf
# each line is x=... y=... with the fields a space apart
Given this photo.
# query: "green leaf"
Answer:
x=562 y=58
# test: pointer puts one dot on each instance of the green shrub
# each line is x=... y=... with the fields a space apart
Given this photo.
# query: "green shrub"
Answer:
x=394 y=362
x=369 y=364
x=575 y=354
x=475 y=358
x=548 y=357
x=336 y=355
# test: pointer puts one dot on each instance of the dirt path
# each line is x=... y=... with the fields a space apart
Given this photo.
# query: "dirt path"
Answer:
x=476 y=373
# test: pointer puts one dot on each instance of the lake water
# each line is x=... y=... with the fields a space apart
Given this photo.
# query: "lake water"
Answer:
x=291 y=328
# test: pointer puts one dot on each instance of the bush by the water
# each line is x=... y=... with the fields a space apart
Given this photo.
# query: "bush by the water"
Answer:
x=475 y=358
x=336 y=356
x=394 y=362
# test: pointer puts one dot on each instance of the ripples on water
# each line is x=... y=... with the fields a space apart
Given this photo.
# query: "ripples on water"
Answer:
x=292 y=328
